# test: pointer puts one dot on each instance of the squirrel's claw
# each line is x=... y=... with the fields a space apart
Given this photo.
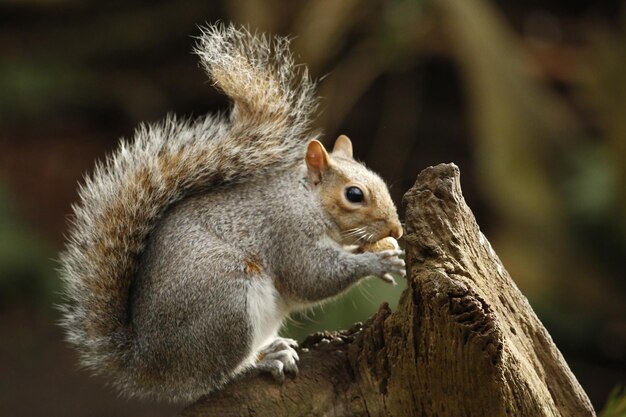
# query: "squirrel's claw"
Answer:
x=391 y=263
x=388 y=278
x=279 y=358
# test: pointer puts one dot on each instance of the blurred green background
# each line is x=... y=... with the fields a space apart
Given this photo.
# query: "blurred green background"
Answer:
x=528 y=98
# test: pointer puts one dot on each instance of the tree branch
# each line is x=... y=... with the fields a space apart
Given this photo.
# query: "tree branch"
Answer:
x=463 y=340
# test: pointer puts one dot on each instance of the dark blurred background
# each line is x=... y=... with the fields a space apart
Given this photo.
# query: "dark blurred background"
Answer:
x=528 y=98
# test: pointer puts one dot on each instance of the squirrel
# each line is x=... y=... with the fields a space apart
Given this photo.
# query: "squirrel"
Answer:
x=193 y=242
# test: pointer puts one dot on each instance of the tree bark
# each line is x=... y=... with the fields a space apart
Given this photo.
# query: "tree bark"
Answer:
x=463 y=341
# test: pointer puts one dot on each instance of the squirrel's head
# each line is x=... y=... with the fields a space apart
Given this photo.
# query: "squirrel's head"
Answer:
x=356 y=199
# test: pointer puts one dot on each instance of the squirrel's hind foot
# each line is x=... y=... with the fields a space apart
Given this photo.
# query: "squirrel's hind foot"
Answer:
x=279 y=358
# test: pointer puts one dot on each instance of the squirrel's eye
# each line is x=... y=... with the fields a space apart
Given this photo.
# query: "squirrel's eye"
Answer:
x=354 y=194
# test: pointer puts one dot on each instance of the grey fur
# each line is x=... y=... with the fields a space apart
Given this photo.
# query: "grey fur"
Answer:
x=192 y=243
x=191 y=288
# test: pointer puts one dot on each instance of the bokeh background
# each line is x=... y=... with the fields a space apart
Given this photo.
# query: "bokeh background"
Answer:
x=528 y=98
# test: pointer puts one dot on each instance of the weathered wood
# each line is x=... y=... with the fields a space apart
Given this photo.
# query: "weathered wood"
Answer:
x=463 y=341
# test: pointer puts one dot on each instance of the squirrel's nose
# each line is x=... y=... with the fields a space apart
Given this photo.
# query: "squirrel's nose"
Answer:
x=396 y=230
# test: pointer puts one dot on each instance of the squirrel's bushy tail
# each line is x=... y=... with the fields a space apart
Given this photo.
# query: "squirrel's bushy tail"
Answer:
x=120 y=202
x=269 y=91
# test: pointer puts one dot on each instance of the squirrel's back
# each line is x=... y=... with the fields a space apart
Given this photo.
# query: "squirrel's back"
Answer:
x=125 y=196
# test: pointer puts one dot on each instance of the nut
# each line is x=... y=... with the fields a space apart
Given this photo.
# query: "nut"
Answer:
x=386 y=243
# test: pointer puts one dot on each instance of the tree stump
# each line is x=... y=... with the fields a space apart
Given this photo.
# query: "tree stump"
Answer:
x=463 y=341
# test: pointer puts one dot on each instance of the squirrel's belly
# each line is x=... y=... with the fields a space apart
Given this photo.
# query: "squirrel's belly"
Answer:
x=265 y=310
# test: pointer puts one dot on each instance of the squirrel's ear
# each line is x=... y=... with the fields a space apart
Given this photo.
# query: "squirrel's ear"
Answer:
x=317 y=160
x=343 y=146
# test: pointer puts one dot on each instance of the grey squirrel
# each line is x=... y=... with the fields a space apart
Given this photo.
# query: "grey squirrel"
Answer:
x=191 y=244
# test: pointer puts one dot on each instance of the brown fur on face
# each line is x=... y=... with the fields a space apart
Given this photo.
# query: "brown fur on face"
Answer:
x=368 y=221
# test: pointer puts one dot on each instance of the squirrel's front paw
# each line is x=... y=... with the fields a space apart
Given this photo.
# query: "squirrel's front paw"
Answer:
x=279 y=358
x=389 y=262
